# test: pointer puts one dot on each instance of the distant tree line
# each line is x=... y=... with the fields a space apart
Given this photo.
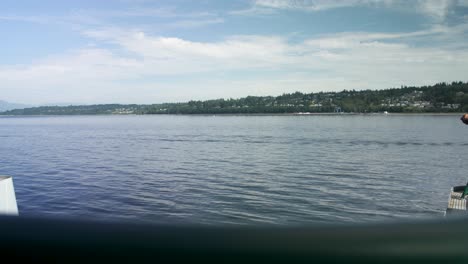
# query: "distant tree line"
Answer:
x=104 y=109
x=441 y=97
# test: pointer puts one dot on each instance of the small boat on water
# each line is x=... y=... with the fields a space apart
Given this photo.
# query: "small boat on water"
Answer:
x=457 y=204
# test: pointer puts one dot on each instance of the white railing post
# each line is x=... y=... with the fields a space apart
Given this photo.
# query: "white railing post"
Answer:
x=8 y=204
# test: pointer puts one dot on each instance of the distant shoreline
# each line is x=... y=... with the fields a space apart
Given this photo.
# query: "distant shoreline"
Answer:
x=439 y=99
x=249 y=114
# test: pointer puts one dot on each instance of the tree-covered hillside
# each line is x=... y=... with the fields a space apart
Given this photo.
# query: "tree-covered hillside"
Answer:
x=441 y=97
x=105 y=109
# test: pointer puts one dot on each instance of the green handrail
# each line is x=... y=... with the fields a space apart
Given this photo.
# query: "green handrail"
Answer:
x=65 y=241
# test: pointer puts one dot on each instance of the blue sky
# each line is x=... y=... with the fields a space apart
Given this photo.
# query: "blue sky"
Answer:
x=144 y=51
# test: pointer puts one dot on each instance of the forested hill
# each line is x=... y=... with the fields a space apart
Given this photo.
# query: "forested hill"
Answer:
x=5 y=106
x=441 y=97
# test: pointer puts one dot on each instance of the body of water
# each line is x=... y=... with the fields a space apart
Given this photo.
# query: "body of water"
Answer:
x=281 y=170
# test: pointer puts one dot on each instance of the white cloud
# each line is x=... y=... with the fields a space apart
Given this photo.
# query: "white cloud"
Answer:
x=313 y=5
x=146 y=68
x=194 y=23
x=268 y=7
x=163 y=18
x=437 y=9
x=161 y=12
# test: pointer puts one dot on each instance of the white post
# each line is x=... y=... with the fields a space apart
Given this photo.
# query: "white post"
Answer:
x=8 y=204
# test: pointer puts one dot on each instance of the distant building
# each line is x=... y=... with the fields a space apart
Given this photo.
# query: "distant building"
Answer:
x=451 y=106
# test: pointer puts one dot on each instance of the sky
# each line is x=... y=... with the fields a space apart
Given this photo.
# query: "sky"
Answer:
x=154 y=51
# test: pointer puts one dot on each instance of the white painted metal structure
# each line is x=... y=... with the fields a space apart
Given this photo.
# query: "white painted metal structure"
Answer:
x=8 y=204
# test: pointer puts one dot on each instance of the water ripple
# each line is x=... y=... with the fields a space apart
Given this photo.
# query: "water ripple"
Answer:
x=233 y=170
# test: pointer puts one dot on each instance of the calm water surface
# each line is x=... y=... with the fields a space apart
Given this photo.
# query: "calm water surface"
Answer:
x=282 y=170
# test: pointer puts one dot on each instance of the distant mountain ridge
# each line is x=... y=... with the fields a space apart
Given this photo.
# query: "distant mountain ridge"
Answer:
x=6 y=106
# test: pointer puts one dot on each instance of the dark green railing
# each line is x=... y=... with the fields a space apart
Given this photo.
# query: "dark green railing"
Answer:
x=64 y=241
